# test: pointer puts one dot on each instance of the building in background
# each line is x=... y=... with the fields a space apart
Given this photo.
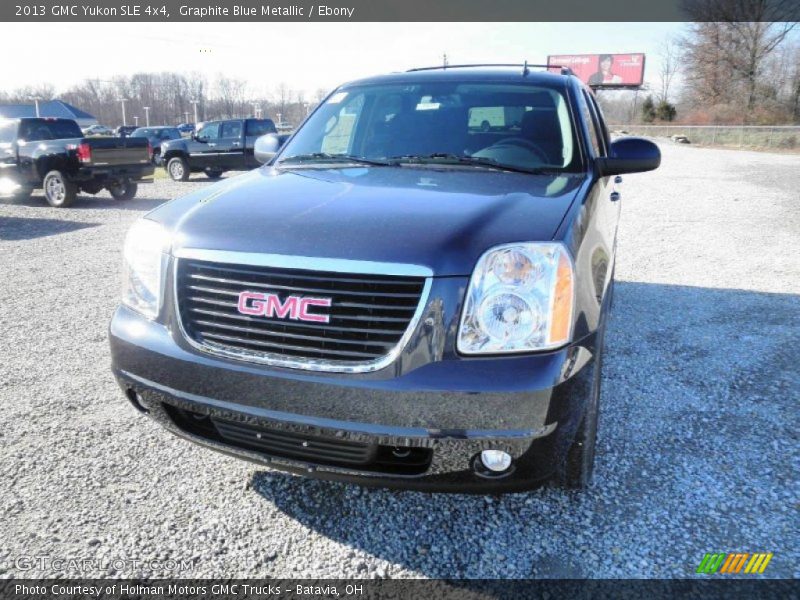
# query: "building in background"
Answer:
x=56 y=109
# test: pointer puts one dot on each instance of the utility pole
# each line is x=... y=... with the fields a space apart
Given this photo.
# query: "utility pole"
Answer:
x=136 y=120
x=36 y=101
x=123 y=101
x=444 y=60
x=146 y=116
x=256 y=110
x=186 y=116
x=195 y=103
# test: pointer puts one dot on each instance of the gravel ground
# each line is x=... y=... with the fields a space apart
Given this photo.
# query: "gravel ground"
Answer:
x=698 y=447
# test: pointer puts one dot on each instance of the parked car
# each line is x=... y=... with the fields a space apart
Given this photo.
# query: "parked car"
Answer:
x=157 y=136
x=217 y=147
x=397 y=298
x=185 y=128
x=97 y=130
x=125 y=130
x=54 y=155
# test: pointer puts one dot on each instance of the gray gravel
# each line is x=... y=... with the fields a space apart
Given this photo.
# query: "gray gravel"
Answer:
x=698 y=447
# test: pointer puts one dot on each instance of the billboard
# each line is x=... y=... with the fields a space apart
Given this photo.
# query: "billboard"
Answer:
x=604 y=70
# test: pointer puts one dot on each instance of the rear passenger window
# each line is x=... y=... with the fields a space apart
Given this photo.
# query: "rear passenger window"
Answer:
x=231 y=129
x=262 y=127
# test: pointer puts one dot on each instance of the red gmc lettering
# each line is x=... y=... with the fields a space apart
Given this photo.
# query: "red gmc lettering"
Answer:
x=276 y=309
x=293 y=307
x=307 y=316
x=252 y=308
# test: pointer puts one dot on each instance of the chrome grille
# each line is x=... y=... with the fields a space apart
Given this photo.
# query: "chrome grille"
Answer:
x=370 y=315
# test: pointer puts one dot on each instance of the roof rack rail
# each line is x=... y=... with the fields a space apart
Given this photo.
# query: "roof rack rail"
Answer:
x=525 y=67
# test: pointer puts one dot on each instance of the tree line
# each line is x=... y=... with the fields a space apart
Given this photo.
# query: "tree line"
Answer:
x=739 y=63
x=171 y=98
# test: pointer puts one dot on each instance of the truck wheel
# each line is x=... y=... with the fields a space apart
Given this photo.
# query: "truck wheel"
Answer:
x=577 y=470
x=123 y=191
x=59 y=191
x=213 y=173
x=178 y=169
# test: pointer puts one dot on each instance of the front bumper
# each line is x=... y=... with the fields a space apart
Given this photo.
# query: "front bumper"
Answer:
x=528 y=406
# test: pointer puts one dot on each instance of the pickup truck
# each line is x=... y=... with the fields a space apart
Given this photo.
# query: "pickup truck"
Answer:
x=218 y=146
x=397 y=297
x=54 y=155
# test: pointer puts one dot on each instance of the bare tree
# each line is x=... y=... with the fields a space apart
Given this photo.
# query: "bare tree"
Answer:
x=671 y=56
x=739 y=37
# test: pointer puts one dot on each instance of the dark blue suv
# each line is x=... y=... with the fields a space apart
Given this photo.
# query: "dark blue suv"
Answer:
x=401 y=296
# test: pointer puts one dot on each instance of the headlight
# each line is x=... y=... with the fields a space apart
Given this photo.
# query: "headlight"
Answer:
x=145 y=254
x=520 y=299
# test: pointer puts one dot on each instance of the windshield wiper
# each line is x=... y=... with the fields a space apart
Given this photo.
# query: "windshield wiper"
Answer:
x=325 y=157
x=445 y=158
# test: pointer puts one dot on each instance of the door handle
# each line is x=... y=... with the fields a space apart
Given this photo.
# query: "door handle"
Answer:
x=210 y=144
x=618 y=179
x=615 y=196
x=236 y=144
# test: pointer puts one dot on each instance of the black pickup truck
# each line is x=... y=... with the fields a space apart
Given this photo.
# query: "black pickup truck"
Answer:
x=54 y=155
x=217 y=147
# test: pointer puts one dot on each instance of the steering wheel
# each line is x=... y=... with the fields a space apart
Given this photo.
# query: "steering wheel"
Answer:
x=524 y=143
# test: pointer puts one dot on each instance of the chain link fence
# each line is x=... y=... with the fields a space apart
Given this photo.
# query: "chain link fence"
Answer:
x=776 y=137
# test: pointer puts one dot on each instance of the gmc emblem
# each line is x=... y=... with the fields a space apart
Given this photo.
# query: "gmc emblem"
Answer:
x=269 y=305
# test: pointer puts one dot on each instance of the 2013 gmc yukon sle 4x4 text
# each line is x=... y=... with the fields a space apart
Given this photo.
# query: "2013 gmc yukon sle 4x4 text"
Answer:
x=396 y=298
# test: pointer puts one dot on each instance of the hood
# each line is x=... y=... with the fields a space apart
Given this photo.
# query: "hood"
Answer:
x=443 y=219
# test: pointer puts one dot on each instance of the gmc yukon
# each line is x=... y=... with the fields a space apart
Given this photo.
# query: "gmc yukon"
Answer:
x=53 y=154
x=398 y=297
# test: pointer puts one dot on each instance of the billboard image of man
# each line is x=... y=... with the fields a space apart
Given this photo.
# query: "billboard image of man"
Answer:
x=604 y=75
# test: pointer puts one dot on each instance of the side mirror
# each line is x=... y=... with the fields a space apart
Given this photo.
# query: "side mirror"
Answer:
x=266 y=147
x=629 y=155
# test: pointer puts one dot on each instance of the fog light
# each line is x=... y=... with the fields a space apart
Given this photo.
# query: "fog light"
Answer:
x=496 y=461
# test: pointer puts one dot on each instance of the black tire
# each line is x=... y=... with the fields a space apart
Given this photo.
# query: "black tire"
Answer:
x=123 y=191
x=58 y=190
x=178 y=169
x=213 y=173
x=578 y=468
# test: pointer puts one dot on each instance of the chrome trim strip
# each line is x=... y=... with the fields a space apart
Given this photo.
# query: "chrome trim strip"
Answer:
x=278 y=360
x=306 y=263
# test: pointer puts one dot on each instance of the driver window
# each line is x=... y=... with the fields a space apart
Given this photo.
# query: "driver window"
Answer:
x=591 y=120
x=208 y=132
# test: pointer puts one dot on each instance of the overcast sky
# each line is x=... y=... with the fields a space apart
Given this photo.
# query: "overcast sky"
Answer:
x=305 y=56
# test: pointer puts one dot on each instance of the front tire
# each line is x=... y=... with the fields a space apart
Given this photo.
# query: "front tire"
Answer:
x=58 y=190
x=178 y=169
x=578 y=468
x=123 y=191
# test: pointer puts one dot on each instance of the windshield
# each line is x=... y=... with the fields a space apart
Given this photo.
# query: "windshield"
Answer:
x=524 y=127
